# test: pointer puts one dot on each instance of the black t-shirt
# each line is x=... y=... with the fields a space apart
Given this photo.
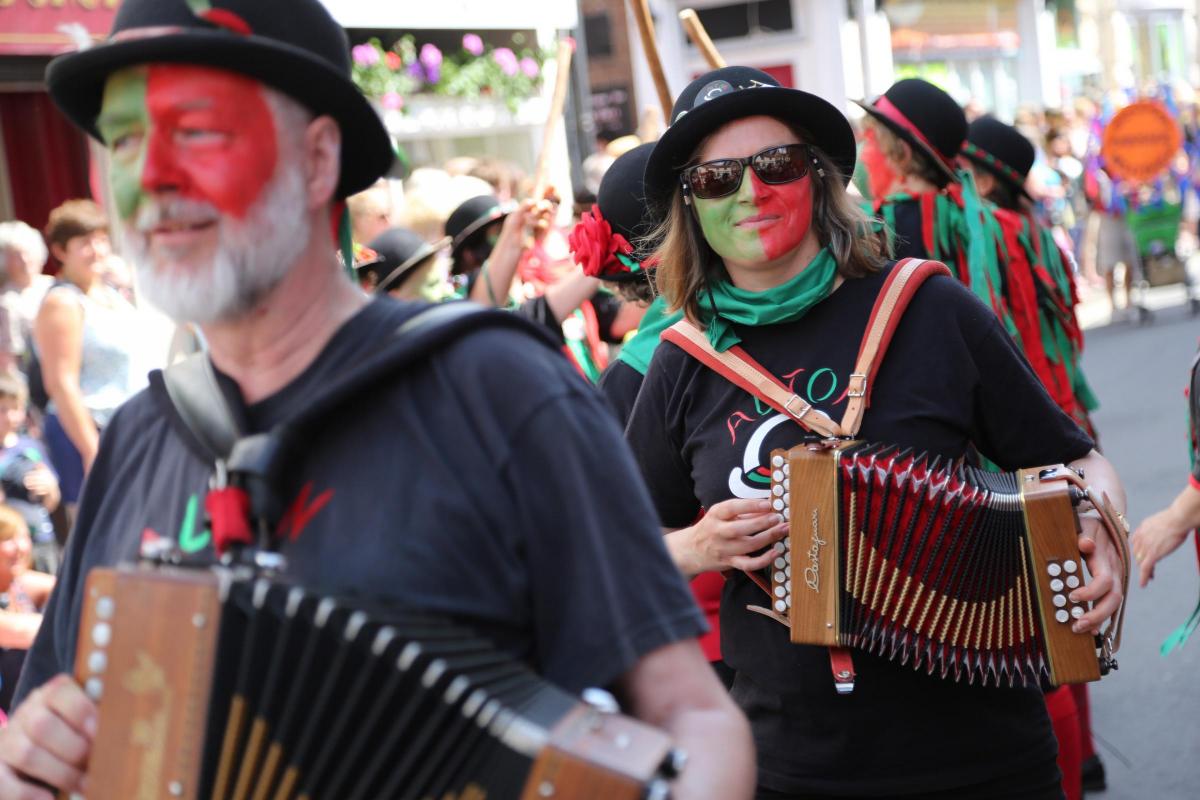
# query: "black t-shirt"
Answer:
x=462 y=486
x=620 y=383
x=951 y=378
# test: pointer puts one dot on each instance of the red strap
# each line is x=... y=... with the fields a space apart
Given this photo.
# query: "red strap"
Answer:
x=229 y=514
x=842 y=664
x=885 y=107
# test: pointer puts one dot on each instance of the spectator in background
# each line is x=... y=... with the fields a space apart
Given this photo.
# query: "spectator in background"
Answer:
x=29 y=485
x=23 y=595
x=398 y=262
x=89 y=341
x=22 y=257
x=370 y=212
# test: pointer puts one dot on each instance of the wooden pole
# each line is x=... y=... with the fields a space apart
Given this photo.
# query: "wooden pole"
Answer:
x=645 y=23
x=562 y=79
x=699 y=36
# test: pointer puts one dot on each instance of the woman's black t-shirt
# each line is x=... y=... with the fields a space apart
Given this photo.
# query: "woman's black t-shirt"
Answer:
x=951 y=378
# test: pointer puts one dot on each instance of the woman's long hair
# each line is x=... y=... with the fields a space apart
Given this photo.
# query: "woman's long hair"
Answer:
x=687 y=263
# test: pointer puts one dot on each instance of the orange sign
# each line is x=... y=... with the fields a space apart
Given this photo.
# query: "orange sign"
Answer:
x=1140 y=141
x=47 y=27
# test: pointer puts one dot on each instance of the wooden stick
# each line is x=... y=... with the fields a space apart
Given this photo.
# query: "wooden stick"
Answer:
x=699 y=36
x=645 y=23
x=562 y=79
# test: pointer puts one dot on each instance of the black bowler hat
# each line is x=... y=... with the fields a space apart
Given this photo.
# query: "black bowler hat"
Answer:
x=1002 y=150
x=605 y=240
x=925 y=117
x=730 y=93
x=294 y=46
x=472 y=216
x=397 y=252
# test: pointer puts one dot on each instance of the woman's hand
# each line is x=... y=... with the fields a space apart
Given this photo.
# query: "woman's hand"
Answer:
x=1160 y=534
x=726 y=537
x=1106 y=589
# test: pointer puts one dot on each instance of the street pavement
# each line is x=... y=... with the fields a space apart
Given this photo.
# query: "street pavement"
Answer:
x=1146 y=716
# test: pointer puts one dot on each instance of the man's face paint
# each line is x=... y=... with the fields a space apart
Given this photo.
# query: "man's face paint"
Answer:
x=759 y=222
x=191 y=132
x=880 y=175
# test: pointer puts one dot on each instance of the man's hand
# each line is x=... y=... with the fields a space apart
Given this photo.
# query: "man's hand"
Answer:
x=1106 y=589
x=48 y=740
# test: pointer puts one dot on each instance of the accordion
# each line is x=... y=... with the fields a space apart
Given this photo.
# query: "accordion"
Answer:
x=948 y=568
x=214 y=683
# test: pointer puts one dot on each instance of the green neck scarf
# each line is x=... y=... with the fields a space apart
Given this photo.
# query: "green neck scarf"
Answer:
x=787 y=302
x=638 y=351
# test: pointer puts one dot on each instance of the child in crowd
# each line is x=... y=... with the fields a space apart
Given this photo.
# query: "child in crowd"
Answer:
x=29 y=484
x=23 y=595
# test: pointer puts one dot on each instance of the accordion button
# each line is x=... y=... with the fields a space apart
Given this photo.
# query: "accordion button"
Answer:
x=1072 y=581
x=1053 y=569
x=777 y=504
x=788 y=585
x=779 y=576
x=787 y=469
x=777 y=476
x=777 y=461
x=1077 y=612
x=101 y=634
x=1060 y=600
x=1056 y=585
x=787 y=513
x=1070 y=567
x=780 y=563
x=94 y=688
x=780 y=606
x=104 y=608
x=97 y=661
x=1061 y=615
x=780 y=547
x=777 y=490
x=787 y=571
x=780 y=592
x=787 y=484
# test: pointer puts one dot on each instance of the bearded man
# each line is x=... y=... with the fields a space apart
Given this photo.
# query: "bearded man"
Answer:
x=460 y=485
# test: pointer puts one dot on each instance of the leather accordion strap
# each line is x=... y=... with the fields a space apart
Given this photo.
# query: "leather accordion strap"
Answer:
x=906 y=277
x=737 y=367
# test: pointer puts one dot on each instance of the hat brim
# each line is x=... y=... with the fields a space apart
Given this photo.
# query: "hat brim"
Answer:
x=1008 y=181
x=397 y=276
x=499 y=212
x=76 y=82
x=908 y=137
x=827 y=128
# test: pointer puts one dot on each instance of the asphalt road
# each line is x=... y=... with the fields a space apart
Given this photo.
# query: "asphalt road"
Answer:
x=1146 y=716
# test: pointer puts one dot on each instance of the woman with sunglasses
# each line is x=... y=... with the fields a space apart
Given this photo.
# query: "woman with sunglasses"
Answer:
x=761 y=247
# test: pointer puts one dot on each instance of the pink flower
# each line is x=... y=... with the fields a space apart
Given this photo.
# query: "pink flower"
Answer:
x=530 y=67
x=430 y=56
x=473 y=44
x=392 y=101
x=365 y=55
x=506 y=59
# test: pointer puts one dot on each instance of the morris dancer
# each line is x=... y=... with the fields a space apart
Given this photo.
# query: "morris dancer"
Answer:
x=763 y=248
x=464 y=484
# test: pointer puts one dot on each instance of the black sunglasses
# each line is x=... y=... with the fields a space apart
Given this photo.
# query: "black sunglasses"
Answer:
x=722 y=177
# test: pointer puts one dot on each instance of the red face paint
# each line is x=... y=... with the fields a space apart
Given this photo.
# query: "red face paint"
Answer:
x=880 y=175
x=211 y=137
x=792 y=204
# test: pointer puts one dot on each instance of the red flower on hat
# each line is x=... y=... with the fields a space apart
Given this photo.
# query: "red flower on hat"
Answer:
x=597 y=248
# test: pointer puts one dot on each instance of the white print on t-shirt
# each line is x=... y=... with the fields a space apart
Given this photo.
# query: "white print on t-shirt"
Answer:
x=753 y=461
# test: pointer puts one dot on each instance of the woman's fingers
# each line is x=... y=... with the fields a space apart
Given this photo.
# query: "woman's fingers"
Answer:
x=731 y=509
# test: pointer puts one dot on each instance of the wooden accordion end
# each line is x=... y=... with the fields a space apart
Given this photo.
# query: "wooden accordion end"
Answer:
x=951 y=569
x=212 y=685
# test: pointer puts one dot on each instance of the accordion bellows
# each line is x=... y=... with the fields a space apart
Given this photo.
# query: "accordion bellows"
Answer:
x=211 y=685
x=952 y=570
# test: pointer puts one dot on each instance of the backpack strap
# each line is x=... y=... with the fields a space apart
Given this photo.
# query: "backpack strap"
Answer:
x=736 y=366
x=902 y=283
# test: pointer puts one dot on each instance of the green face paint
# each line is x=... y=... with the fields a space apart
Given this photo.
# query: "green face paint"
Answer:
x=719 y=222
x=123 y=124
x=759 y=222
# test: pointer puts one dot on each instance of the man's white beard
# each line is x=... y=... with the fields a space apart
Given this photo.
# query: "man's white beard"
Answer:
x=253 y=254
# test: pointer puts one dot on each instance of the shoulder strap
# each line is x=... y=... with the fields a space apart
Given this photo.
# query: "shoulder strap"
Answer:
x=192 y=386
x=902 y=283
x=737 y=367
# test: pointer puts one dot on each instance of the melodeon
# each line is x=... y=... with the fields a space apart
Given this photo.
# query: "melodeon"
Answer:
x=216 y=685
x=953 y=570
